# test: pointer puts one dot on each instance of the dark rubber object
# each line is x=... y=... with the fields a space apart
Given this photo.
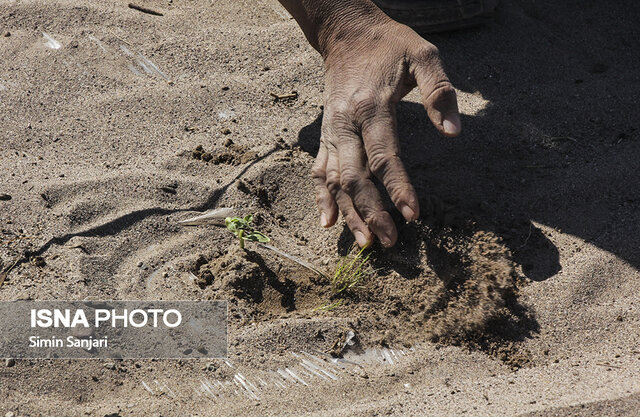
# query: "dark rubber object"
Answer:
x=429 y=16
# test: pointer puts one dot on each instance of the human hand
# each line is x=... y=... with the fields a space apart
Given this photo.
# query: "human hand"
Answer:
x=368 y=71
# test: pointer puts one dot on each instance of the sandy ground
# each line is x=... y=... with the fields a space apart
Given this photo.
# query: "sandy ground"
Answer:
x=516 y=294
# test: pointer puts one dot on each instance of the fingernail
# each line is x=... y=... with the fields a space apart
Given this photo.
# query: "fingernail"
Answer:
x=407 y=213
x=323 y=220
x=385 y=240
x=451 y=124
x=360 y=238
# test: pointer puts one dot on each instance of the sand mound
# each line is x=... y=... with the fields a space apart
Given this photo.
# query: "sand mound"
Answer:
x=450 y=281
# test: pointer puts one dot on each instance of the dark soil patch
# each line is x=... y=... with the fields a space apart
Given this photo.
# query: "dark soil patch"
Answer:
x=258 y=287
x=230 y=155
x=449 y=281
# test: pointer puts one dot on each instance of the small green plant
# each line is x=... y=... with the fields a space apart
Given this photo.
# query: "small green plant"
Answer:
x=350 y=272
x=331 y=306
x=244 y=230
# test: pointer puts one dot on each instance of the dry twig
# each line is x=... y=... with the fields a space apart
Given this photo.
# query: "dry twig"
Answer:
x=284 y=97
x=145 y=10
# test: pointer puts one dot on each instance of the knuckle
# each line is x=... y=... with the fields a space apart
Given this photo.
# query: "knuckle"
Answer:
x=427 y=53
x=352 y=110
x=352 y=219
x=444 y=88
x=375 y=219
x=443 y=94
x=400 y=190
x=364 y=105
x=321 y=198
x=317 y=172
x=337 y=110
x=333 y=183
x=349 y=182
x=379 y=164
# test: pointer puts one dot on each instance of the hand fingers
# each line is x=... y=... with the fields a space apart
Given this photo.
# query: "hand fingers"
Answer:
x=356 y=183
x=381 y=142
x=355 y=223
x=438 y=95
x=325 y=201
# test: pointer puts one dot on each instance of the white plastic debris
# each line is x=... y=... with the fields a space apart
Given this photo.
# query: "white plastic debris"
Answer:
x=214 y=217
x=51 y=43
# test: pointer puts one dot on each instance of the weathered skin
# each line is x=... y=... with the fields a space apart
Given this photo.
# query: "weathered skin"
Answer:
x=371 y=63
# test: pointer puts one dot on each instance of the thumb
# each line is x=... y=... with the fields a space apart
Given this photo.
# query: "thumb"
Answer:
x=438 y=95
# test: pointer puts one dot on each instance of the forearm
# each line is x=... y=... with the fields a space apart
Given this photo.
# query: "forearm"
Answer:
x=325 y=22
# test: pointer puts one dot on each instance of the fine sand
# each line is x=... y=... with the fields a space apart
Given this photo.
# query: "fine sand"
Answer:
x=516 y=293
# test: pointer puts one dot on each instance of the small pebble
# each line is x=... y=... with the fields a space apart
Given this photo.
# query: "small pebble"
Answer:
x=39 y=262
x=10 y=362
x=110 y=365
x=168 y=190
x=9 y=414
x=5 y=197
x=6 y=33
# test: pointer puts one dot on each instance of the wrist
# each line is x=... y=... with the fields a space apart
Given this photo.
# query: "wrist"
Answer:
x=329 y=23
x=347 y=24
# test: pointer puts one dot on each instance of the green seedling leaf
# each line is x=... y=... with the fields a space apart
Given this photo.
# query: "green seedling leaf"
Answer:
x=242 y=228
x=256 y=236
